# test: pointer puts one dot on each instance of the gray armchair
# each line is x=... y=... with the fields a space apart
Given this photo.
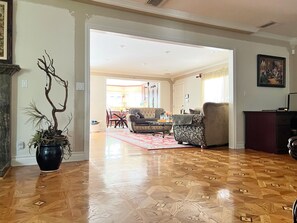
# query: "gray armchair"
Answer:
x=208 y=128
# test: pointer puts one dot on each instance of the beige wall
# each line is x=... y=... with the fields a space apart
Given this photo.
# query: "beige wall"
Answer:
x=61 y=27
x=38 y=27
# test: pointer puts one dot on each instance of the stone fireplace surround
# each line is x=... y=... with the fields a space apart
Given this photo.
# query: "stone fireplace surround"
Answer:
x=6 y=71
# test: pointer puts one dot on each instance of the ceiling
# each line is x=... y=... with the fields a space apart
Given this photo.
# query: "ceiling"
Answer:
x=112 y=53
x=243 y=16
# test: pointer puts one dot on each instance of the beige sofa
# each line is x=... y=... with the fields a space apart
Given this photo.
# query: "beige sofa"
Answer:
x=141 y=124
x=210 y=127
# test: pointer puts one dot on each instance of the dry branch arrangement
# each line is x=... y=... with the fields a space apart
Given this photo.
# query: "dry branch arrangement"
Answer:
x=48 y=132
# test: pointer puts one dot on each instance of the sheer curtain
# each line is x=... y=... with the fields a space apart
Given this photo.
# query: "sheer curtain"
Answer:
x=215 y=86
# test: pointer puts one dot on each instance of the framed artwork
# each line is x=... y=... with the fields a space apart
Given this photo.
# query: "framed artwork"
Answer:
x=6 y=31
x=271 y=71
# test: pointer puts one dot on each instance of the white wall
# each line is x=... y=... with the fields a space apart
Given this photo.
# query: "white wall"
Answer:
x=61 y=27
x=165 y=95
x=98 y=102
x=192 y=86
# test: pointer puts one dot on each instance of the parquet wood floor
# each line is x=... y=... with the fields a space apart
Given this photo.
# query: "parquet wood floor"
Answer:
x=125 y=184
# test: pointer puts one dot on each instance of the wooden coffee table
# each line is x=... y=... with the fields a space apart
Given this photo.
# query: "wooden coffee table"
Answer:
x=160 y=126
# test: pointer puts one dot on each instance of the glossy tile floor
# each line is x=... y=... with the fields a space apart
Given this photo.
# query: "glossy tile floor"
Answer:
x=126 y=184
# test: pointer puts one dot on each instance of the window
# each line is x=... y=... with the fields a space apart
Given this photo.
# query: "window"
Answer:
x=215 y=86
x=123 y=97
x=114 y=99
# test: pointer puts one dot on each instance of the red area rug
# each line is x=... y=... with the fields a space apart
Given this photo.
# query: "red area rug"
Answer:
x=147 y=140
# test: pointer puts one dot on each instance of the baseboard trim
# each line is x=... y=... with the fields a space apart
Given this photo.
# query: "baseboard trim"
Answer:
x=76 y=156
x=23 y=160
x=240 y=146
x=31 y=160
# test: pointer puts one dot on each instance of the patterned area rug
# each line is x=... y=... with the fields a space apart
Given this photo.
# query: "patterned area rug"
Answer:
x=147 y=140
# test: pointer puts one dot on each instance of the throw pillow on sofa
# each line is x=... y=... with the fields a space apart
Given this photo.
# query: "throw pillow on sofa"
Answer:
x=139 y=115
x=194 y=111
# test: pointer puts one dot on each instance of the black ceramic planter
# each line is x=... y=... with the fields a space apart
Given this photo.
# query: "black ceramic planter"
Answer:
x=49 y=157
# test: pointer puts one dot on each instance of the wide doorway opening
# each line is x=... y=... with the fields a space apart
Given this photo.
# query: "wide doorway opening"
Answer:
x=175 y=67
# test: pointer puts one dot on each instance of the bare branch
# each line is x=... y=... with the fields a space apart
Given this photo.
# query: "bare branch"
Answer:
x=47 y=65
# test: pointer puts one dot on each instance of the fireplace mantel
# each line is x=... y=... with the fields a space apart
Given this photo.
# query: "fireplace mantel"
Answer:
x=6 y=71
x=9 y=69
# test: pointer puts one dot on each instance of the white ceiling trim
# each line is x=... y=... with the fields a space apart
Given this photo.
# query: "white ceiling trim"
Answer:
x=117 y=75
x=272 y=36
x=113 y=75
x=293 y=42
x=203 y=69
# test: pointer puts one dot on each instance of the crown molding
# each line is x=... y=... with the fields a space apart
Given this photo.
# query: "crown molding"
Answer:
x=293 y=42
x=204 y=69
x=274 y=36
x=130 y=76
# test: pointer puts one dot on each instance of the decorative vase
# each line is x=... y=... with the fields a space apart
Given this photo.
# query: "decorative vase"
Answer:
x=49 y=157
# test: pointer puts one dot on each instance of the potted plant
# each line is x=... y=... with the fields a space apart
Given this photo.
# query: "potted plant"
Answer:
x=51 y=142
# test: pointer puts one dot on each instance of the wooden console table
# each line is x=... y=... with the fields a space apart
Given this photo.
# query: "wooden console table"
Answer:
x=269 y=131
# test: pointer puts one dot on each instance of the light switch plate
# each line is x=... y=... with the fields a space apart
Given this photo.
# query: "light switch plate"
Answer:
x=80 y=86
x=24 y=83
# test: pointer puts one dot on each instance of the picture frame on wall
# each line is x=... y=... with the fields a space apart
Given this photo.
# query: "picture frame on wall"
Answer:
x=271 y=71
x=6 y=31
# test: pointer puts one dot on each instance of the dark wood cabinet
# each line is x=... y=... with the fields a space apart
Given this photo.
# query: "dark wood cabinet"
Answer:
x=269 y=131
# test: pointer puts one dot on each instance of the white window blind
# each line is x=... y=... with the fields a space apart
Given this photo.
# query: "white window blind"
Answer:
x=215 y=86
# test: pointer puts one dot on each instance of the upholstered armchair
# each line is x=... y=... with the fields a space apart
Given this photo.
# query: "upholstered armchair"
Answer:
x=292 y=146
x=209 y=128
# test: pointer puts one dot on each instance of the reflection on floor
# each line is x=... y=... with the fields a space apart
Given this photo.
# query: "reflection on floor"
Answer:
x=122 y=183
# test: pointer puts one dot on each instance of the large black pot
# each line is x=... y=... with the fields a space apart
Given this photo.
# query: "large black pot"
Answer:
x=49 y=157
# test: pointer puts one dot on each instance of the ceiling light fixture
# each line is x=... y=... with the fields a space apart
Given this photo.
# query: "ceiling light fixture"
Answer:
x=199 y=75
